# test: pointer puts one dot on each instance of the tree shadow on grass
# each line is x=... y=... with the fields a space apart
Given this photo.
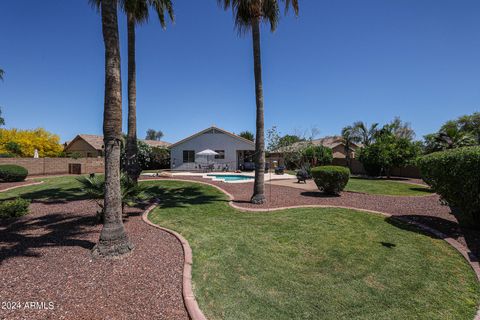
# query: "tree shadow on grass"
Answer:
x=183 y=196
x=54 y=195
x=449 y=228
x=22 y=236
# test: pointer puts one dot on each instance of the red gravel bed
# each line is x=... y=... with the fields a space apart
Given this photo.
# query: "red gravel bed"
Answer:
x=45 y=257
x=427 y=210
x=7 y=185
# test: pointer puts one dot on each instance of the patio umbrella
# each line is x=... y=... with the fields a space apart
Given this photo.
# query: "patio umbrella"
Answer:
x=207 y=153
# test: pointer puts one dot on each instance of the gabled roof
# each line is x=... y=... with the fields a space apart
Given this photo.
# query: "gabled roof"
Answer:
x=214 y=129
x=96 y=141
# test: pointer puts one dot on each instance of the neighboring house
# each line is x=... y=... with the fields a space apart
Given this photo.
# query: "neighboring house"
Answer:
x=233 y=151
x=91 y=146
x=335 y=143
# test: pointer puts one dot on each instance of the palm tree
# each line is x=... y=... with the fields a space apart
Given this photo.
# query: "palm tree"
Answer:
x=248 y=15
x=2 y=73
x=349 y=136
x=137 y=13
x=364 y=133
x=452 y=137
x=113 y=238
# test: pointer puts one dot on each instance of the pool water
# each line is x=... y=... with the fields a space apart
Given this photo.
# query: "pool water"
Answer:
x=230 y=177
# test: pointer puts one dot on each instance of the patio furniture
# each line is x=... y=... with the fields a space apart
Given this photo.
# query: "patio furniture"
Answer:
x=280 y=170
x=302 y=176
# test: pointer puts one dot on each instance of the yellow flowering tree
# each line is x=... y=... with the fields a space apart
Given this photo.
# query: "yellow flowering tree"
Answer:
x=22 y=143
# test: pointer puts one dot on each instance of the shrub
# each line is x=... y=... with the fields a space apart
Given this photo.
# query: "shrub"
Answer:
x=455 y=176
x=331 y=179
x=14 y=208
x=12 y=173
x=318 y=155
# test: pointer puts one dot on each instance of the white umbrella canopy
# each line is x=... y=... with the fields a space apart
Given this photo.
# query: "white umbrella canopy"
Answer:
x=207 y=152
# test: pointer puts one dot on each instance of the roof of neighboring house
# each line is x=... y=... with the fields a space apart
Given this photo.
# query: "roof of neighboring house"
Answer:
x=208 y=129
x=96 y=141
x=329 y=142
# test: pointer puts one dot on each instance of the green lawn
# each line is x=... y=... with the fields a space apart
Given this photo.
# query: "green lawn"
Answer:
x=64 y=188
x=313 y=263
x=385 y=187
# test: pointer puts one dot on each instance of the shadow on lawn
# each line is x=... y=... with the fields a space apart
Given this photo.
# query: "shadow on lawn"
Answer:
x=54 y=195
x=449 y=228
x=182 y=197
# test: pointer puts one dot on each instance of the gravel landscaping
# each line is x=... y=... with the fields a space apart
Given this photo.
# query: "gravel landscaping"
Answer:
x=45 y=257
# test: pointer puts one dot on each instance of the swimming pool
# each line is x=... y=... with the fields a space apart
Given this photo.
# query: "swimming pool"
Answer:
x=230 y=177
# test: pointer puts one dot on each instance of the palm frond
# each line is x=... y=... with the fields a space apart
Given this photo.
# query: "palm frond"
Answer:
x=2 y=74
x=246 y=11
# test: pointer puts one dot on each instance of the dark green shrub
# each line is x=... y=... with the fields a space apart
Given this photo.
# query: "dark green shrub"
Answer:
x=12 y=173
x=331 y=179
x=455 y=176
x=14 y=208
x=318 y=155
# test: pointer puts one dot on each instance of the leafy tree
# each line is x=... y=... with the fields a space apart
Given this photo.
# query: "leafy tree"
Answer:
x=398 y=128
x=22 y=143
x=248 y=16
x=387 y=152
x=154 y=135
x=113 y=239
x=317 y=155
x=247 y=135
x=289 y=139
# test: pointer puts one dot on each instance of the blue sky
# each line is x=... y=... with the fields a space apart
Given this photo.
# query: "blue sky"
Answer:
x=338 y=62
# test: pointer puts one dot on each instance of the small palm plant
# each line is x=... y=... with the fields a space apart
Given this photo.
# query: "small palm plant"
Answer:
x=94 y=188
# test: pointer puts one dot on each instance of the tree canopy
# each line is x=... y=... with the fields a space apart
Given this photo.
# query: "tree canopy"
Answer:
x=154 y=135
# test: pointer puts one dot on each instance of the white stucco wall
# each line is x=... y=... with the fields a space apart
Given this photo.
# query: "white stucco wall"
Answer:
x=213 y=141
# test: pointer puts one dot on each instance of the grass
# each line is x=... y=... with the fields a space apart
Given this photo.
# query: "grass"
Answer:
x=382 y=187
x=64 y=188
x=386 y=187
x=313 y=263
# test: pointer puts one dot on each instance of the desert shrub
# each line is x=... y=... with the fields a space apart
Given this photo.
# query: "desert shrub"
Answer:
x=14 y=208
x=455 y=176
x=12 y=173
x=331 y=179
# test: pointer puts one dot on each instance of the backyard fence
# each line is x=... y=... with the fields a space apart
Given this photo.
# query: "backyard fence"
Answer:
x=48 y=166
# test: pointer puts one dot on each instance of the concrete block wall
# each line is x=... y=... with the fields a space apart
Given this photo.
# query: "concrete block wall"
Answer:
x=49 y=166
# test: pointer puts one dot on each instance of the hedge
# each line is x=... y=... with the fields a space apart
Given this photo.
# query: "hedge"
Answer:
x=12 y=173
x=331 y=179
x=455 y=176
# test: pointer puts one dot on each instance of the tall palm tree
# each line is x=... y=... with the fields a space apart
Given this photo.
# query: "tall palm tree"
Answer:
x=2 y=73
x=248 y=15
x=137 y=13
x=113 y=239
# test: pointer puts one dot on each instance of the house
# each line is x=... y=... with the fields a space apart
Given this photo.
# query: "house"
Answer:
x=335 y=143
x=232 y=150
x=91 y=146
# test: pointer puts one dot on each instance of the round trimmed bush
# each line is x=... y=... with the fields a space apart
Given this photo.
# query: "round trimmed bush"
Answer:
x=12 y=173
x=14 y=208
x=331 y=179
x=455 y=176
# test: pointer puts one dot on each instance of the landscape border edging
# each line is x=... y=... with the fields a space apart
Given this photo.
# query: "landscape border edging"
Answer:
x=23 y=185
x=194 y=311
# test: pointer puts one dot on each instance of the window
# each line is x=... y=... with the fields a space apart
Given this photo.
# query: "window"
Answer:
x=220 y=155
x=188 y=156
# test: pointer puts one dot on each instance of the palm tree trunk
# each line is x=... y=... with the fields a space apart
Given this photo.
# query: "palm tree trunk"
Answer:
x=113 y=239
x=259 y=186
x=132 y=168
